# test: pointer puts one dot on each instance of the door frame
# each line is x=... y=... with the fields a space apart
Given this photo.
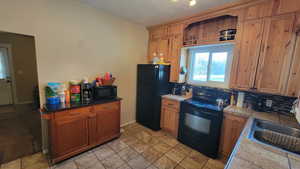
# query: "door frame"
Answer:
x=11 y=71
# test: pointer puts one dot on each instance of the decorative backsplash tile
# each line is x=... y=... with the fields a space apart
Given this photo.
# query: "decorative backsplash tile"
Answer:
x=280 y=104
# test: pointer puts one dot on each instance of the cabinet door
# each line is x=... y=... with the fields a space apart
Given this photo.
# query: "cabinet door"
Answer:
x=163 y=48
x=259 y=10
x=169 y=120
x=174 y=57
x=231 y=131
x=70 y=135
x=286 y=6
x=294 y=78
x=108 y=121
x=276 y=54
x=152 y=49
x=246 y=61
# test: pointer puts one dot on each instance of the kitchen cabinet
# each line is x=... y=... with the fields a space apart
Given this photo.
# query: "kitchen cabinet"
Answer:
x=285 y=6
x=108 y=121
x=170 y=116
x=76 y=130
x=263 y=62
x=231 y=131
x=247 y=59
x=293 y=88
x=259 y=10
x=158 y=43
x=276 y=54
x=70 y=135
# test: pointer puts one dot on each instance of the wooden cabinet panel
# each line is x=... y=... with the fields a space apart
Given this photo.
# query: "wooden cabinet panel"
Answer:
x=285 y=6
x=69 y=135
x=276 y=54
x=231 y=130
x=294 y=78
x=163 y=48
x=174 y=57
x=108 y=123
x=247 y=60
x=170 y=116
x=259 y=10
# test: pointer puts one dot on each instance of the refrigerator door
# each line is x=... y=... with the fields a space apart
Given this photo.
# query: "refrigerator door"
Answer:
x=152 y=82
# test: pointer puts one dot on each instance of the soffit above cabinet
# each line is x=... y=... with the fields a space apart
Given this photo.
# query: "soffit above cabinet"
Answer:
x=153 y=12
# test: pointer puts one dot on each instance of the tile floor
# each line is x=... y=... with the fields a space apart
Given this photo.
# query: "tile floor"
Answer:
x=137 y=148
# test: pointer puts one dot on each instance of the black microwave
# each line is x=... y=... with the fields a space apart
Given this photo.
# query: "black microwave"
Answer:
x=105 y=92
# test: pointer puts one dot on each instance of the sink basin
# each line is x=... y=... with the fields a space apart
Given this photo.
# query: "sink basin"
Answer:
x=276 y=135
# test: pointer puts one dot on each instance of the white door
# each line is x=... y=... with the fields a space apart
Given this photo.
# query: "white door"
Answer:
x=5 y=78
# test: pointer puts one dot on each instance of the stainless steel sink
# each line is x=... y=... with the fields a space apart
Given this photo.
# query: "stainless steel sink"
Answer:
x=276 y=135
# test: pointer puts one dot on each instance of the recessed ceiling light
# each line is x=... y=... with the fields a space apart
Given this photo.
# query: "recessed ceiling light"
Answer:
x=174 y=0
x=192 y=2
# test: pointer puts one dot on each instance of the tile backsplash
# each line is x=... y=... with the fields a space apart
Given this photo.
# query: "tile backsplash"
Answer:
x=280 y=104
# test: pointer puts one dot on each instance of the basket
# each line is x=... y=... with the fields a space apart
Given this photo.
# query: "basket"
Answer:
x=108 y=82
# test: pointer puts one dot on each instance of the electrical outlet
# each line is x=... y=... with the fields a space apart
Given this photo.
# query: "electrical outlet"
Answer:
x=269 y=103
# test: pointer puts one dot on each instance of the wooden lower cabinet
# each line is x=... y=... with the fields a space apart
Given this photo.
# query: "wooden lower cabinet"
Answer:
x=231 y=131
x=77 y=130
x=170 y=116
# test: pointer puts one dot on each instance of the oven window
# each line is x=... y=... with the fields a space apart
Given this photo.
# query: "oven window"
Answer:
x=196 y=123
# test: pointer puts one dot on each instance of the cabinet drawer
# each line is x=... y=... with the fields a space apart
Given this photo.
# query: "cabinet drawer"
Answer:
x=73 y=113
x=114 y=106
x=171 y=104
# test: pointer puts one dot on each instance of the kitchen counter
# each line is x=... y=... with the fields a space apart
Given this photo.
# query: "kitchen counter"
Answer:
x=249 y=154
x=176 y=97
x=48 y=108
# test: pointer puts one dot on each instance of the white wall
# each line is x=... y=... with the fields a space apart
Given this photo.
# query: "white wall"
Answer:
x=74 y=41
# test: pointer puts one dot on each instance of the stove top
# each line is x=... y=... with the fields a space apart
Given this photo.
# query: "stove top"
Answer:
x=204 y=104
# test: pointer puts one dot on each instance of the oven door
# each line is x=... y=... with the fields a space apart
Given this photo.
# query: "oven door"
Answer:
x=200 y=128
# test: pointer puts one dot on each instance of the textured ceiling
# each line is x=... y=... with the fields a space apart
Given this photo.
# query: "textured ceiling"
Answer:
x=152 y=12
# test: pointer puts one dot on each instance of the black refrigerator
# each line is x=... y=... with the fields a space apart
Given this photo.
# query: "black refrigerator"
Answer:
x=152 y=83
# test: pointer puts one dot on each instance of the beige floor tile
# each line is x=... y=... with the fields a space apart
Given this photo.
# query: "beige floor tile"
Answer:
x=117 y=145
x=176 y=156
x=128 y=154
x=140 y=146
x=152 y=167
x=152 y=155
x=16 y=164
x=65 y=165
x=179 y=167
x=162 y=147
x=129 y=140
x=103 y=152
x=183 y=149
x=189 y=163
x=87 y=161
x=169 y=140
x=139 y=163
x=165 y=163
x=124 y=166
x=36 y=161
x=200 y=158
x=214 y=164
x=113 y=162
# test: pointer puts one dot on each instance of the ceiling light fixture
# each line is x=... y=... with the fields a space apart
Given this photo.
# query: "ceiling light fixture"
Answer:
x=191 y=2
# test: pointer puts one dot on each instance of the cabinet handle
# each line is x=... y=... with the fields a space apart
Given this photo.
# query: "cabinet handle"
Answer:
x=169 y=104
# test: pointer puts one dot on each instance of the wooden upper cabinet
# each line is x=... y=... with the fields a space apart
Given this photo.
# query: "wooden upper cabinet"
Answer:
x=259 y=10
x=247 y=59
x=276 y=54
x=293 y=88
x=286 y=6
x=158 y=43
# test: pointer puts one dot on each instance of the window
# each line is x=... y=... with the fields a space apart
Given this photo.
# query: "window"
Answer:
x=210 y=65
x=3 y=63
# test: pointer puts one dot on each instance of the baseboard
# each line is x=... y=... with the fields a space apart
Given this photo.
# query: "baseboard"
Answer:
x=125 y=124
x=25 y=102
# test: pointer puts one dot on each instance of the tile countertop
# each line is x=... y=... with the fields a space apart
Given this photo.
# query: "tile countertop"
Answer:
x=176 y=97
x=248 y=154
